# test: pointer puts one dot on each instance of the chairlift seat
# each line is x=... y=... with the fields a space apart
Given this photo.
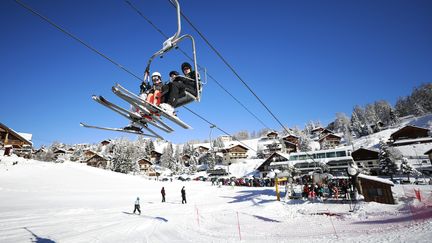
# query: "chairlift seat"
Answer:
x=190 y=92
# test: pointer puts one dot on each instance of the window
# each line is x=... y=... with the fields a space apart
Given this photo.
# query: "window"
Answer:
x=330 y=154
x=302 y=157
x=320 y=156
x=340 y=154
x=375 y=192
x=293 y=157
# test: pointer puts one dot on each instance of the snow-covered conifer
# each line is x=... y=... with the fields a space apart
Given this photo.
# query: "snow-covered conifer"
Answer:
x=387 y=164
x=406 y=168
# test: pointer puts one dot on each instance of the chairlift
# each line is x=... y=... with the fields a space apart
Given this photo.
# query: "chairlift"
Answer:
x=143 y=113
x=172 y=43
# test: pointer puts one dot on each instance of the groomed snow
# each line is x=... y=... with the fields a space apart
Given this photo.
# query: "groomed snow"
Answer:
x=70 y=202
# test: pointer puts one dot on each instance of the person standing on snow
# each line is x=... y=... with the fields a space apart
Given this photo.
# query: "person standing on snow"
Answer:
x=137 y=206
x=183 y=194
x=163 y=194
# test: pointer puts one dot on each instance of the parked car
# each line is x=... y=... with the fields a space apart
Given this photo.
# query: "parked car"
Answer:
x=183 y=178
x=200 y=178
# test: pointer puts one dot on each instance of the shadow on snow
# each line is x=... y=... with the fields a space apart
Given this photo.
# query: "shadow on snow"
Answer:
x=38 y=239
x=148 y=217
x=266 y=219
x=251 y=195
x=423 y=215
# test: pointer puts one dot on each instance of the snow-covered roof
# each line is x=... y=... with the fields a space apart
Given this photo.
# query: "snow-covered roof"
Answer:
x=329 y=135
x=414 y=149
x=19 y=135
x=374 y=178
x=414 y=140
x=244 y=167
x=27 y=136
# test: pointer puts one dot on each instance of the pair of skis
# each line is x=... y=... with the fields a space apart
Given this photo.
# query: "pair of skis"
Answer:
x=143 y=114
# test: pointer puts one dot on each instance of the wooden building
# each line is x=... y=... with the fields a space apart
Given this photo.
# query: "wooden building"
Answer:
x=265 y=167
x=88 y=154
x=429 y=153
x=185 y=159
x=105 y=142
x=375 y=189
x=367 y=159
x=97 y=161
x=10 y=137
x=409 y=133
x=317 y=130
x=291 y=143
x=325 y=132
x=331 y=140
x=59 y=152
x=146 y=167
x=272 y=134
x=155 y=156
x=234 y=152
x=202 y=149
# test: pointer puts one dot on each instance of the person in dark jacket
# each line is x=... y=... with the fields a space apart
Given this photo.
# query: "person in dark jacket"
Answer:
x=180 y=84
x=163 y=194
x=183 y=194
x=137 y=206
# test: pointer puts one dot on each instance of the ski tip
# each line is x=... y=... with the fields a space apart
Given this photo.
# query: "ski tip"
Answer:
x=81 y=124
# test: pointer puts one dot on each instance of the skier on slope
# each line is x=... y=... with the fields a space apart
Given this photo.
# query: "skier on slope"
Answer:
x=163 y=194
x=183 y=194
x=137 y=206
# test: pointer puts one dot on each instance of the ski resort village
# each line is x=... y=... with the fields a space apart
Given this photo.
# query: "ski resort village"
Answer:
x=215 y=121
x=311 y=184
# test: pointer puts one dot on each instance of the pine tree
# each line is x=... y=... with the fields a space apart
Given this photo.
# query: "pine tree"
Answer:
x=167 y=159
x=359 y=122
x=387 y=164
x=125 y=156
x=149 y=147
x=383 y=111
x=304 y=140
x=406 y=168
x=218 y=144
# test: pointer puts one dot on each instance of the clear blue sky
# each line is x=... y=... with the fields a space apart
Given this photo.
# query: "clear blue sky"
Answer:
x=307 y=60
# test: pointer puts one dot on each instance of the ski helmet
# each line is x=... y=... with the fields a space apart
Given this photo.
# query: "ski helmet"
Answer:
x=173 y=73
x=185 y=65
x=156 y=74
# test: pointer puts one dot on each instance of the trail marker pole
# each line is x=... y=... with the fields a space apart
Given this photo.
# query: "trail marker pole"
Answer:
x=238 y=225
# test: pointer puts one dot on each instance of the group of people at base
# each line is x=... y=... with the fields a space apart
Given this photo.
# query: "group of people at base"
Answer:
x=183 y=196
x=334 y=190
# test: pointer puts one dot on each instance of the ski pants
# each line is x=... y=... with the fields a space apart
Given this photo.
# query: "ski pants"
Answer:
x=137 y=207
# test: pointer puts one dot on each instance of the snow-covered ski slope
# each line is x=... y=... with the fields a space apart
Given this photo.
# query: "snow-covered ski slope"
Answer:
x=70 y=202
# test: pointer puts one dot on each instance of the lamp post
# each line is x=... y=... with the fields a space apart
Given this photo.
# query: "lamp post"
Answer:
x=211 y=143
